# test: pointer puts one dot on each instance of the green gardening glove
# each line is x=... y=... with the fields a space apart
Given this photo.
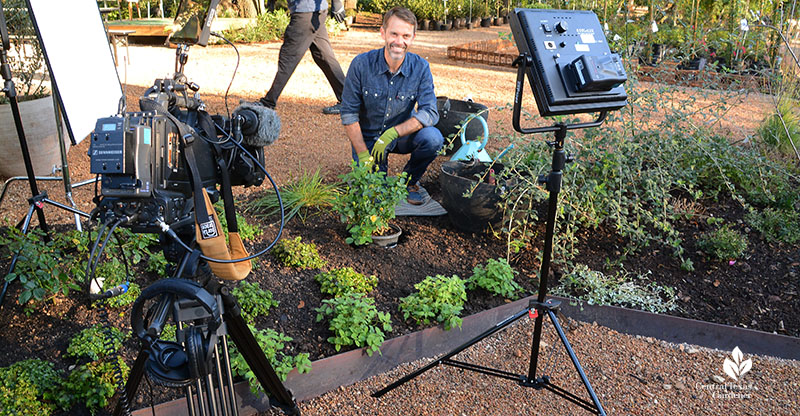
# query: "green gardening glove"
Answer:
x=364 y=159
x=379 y=150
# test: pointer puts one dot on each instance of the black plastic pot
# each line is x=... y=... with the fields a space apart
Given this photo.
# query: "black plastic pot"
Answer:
x=452 y=113
x=482 y=209
x=486 y=22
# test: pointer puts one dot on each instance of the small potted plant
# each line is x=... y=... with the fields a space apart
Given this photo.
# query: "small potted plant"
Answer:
x=367 y=205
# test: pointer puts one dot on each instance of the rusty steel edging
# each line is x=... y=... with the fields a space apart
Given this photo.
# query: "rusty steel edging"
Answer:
x=350 y=367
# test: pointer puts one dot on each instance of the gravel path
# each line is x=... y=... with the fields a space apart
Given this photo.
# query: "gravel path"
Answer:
x=630 y=375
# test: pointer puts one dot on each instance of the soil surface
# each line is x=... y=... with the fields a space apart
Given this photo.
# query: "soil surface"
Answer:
x=759 y=291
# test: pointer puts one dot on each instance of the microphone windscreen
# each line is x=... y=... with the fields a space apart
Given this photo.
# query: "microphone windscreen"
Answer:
x=269 y=124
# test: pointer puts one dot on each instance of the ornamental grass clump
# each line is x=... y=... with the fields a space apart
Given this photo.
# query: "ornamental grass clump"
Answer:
x=438 y=299
x=367 y=204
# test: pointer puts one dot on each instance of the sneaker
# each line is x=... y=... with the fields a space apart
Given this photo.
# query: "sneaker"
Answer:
x=334 y=109
x=414 y=196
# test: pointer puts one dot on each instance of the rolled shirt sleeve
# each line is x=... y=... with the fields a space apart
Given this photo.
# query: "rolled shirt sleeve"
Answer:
x=426 y=111
x=351 y=94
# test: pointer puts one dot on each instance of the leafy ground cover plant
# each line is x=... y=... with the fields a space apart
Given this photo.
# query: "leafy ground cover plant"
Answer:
x=96 y=342
x=497 y=276
x=29 y=387
x=367 y=204
x=438 y=299
x=776 y=224
x=272 y=343
x=298 y=196
x=724 y=243
x=254 y=300
x=354 y=320
x=92 y=384
x=597 y=288
x=295 y=253
x=345 y=280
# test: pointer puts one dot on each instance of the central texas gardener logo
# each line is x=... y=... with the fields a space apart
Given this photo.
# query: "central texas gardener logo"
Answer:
x=737 y=367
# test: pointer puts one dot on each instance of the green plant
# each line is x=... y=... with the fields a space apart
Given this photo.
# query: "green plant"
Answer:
x=298 y=196
x=776 y=224
x=168 y=333
x=96 y=342
x=497 y=277
x=28 y=387
x=295 y=253
x=724 y=243
x=157 y=264
x=354 y=320
x=597 y=288
x=254 y=301
x=338 y=282
x=92 y=384
x=268 y=27
x=438 y=298
x=247 y=231
x=272 y=343
x=38 y=268
x=781 y=129
x=368 y=203
x=26 y=59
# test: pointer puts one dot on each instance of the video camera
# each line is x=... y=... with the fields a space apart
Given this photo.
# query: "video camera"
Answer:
x=141 y=157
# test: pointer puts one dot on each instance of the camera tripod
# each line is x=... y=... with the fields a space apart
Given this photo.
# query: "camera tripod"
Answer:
x=38 y=198
x=212 y=314
x=541 y=306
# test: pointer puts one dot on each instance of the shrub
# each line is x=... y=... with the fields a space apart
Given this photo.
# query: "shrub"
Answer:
x=776 y=224
x=254 y=301
x=295 y=253
x=96 y=342
x=345 y=280
x=437 y=298
x=368 y=203
x=598 y=289
x=28 y=388
x=723 y=243
x=298 y=197
x=355 y=321
x=497 y=277
x=269 y=26
x=272 y=343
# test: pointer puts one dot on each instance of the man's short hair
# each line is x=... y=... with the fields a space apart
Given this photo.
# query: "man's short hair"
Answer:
x=401 y=13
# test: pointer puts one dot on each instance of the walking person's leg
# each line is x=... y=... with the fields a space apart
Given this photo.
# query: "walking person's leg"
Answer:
x=296 y=40
x=322 y=53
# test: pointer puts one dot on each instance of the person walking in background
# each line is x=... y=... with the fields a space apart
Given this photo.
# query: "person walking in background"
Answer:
x=388 y=103
x=306 y=31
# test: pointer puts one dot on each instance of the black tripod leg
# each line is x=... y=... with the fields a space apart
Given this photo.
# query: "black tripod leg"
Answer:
x=134 y=378
x=258 y=362
x=575 y=362
x=508 y=321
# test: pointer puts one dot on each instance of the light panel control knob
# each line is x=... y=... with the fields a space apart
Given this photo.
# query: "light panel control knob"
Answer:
x=561 y=27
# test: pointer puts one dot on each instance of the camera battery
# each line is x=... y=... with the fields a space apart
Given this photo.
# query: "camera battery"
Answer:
x=597 y=73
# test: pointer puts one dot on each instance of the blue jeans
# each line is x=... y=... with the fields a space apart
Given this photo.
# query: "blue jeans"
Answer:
x=423 y=146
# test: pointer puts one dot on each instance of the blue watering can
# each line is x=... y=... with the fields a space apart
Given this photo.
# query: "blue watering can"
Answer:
x=473 y=149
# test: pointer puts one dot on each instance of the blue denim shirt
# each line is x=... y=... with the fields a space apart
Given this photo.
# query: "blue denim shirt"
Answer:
x=379 y=100
x=305 y=6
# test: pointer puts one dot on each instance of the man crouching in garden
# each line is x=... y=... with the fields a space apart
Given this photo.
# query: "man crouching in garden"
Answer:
x=381 y=89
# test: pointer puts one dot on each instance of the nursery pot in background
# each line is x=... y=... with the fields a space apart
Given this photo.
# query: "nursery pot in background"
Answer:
x=452 y=113
x=479 y=211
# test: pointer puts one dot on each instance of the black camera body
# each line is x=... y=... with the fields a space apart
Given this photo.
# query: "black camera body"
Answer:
x=140 y=157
